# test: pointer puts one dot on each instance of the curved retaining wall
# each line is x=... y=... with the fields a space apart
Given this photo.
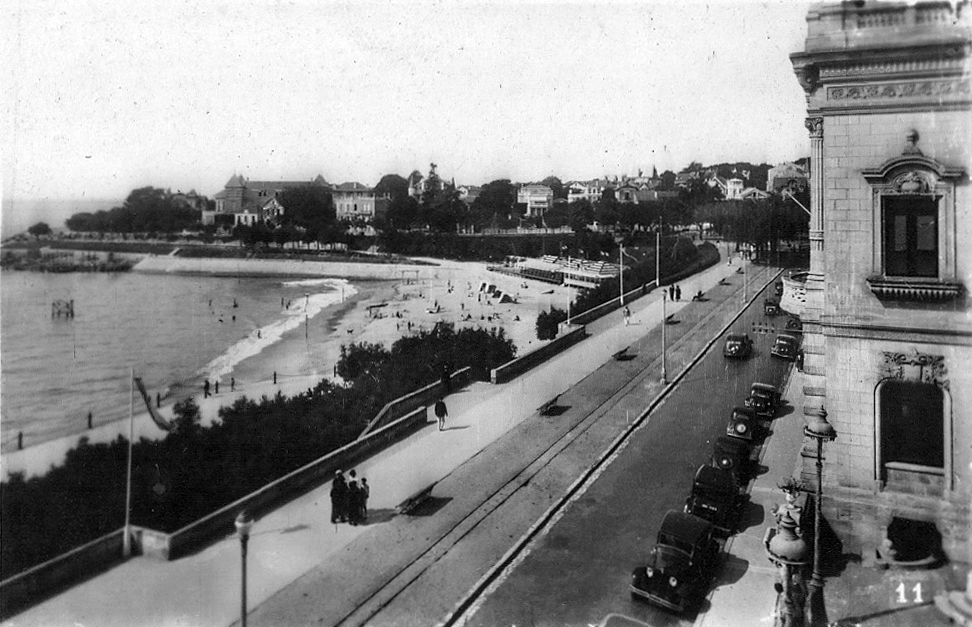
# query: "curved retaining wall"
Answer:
x=423 y=397
x=281 y=267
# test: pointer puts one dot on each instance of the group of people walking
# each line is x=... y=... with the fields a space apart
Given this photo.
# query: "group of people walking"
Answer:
x=674 y=292
x=349 y=499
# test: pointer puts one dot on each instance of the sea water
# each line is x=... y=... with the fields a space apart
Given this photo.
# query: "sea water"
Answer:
x=174 y=331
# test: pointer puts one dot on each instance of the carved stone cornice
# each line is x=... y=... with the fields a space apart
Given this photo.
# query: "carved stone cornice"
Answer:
x=911 y=66
x=914 y=289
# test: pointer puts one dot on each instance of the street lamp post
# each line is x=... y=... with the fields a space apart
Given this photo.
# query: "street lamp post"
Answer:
x=243 y=526
x=819 y=429
x=664 y=377
x=788 y=551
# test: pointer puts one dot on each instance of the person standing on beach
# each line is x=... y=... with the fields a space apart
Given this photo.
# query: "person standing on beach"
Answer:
x=232 y=384
x=206 y=389
x=217 y=386
x=339 y=493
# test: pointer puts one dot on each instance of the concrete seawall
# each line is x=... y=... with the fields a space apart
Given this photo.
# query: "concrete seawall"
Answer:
x=286 y=267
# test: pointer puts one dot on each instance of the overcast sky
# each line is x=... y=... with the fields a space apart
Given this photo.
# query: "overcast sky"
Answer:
x=102 y=97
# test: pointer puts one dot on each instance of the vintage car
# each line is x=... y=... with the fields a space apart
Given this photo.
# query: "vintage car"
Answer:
x=785 y=347
x=713 y=497
x=738 y=345
x=680 y=565
x=732 y=454
x=771 y=307
x=763 y=399
x=742 y=423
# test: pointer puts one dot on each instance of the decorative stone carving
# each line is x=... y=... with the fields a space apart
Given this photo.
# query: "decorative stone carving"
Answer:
x=809 y=77
x=815 y=126
x=913 y=182
x=918 y=367
x=889 y=91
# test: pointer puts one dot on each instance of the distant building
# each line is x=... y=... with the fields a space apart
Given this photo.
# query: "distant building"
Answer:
x=469 y=193
x=786 y=176
x=253 y=200
x=355 y=202
x=192 y=200
x=586 y=190
x=537 y=198
x=887 y=329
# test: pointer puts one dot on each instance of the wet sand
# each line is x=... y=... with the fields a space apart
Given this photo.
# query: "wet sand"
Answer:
x=379 y=312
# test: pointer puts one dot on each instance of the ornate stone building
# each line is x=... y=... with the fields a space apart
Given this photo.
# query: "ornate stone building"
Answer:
x=888 y=330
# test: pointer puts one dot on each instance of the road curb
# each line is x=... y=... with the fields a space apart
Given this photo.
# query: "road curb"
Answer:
x=517 y=552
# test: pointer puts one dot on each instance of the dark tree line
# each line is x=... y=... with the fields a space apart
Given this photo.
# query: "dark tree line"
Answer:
x=196 y=470
x=147 y=209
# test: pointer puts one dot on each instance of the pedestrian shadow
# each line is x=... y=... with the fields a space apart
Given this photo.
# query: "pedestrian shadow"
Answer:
x=378 y=516
x=291 y=529
x=555 y=410
x=456 y=428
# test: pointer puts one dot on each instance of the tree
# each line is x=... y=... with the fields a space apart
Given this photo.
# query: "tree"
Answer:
x=393 y=186
x=39 y=230
x=580 y=213
x=555 y=184
x=547 y=323
x=308 y=206
x=496 y=199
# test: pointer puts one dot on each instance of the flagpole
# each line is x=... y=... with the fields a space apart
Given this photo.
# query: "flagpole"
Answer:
x=127 y=541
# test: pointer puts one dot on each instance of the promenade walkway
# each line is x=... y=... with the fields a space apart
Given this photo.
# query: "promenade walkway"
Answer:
x=204 y=588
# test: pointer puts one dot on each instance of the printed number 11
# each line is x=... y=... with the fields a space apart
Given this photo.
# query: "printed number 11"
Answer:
x=901 y=593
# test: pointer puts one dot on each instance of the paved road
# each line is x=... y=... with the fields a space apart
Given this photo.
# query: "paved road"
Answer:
x=578 y=570
x=414 y=569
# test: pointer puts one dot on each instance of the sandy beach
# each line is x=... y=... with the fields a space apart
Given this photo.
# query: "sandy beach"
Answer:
x=379 y=311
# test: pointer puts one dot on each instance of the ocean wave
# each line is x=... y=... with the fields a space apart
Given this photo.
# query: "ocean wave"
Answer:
x=295 y=315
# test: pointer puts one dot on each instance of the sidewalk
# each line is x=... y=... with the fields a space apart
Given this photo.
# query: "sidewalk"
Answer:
x=204 y=588
x=743 y=593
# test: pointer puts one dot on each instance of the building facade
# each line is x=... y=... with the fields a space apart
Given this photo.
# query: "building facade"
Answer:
x=786 y=176
x=887 y=325
x=246 y=202
x=537 y=198
x=355 y=202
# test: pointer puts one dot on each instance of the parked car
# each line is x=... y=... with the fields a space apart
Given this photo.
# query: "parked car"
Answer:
x=732 y=454
x=738 y=345
x=771 y=307
x=680 y=565
x=763 y=399
x=713 y=497
x=742 y=423
x=785 y=347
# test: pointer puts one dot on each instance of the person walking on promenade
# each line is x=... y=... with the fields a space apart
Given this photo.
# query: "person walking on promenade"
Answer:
x=217 y=386
x=678 y=293
x=441 y=412
x=232 y=384
x=339 y=495
x=206 y=388
x=671 y=292
x=446 y=378
x=627 y=316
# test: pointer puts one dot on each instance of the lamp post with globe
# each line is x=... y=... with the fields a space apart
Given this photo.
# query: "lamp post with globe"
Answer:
x=243 y=526
x=788 y=551
x=819 y=429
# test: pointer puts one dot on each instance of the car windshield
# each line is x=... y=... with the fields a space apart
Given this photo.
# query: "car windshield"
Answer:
x=671 y=560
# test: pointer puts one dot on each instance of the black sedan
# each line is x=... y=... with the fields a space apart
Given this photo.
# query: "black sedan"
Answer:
x=738 y=345
x=680 y=565
x=714 y=497
x=785 y=347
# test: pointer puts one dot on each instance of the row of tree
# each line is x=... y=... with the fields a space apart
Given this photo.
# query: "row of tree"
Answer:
x=195 y=469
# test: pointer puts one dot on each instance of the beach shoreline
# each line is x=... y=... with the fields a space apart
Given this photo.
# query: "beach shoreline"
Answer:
x=380 y=311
